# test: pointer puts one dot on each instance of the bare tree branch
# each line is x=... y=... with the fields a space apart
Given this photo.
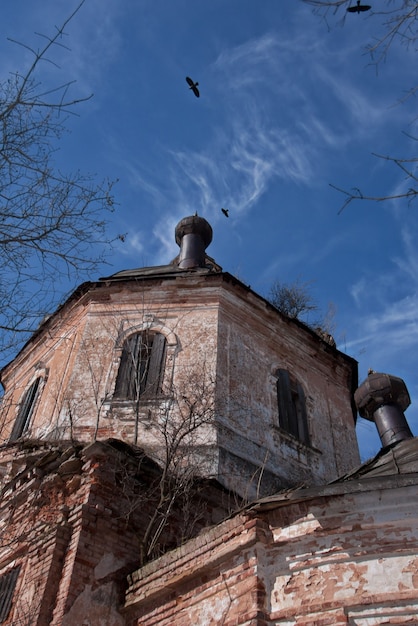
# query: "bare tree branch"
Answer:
x=409 y=194
x=399 y=21
x=50 y=220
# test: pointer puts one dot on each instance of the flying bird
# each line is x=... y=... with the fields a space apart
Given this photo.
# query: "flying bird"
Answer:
x=193 y=86
x=359 y=8
x=225 y=212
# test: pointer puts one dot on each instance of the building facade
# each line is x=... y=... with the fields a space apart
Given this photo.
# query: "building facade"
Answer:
x=267 y=403
x=346 y=553
x=176 y=451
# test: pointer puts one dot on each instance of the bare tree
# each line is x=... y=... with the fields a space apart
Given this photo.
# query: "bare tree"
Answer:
x=173 y=422
x=166 y=426
x=50 y=220
x=397 y=17
x=296 y=302
x=180 y=426
x=396 y=21
x=292 y=299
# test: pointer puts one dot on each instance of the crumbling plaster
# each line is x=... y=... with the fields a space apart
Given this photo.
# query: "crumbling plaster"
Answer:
x=343 y=555
x=217 y=328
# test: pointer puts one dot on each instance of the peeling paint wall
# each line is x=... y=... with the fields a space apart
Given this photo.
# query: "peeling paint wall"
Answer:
x=259 y=342
x=217 y=331
x=72 y=523
x=353 y=550
x=347 y=558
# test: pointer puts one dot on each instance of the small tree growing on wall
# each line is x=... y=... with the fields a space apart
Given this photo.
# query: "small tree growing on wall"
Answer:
x=169 y=429
x=296 y=302
x=293 y=300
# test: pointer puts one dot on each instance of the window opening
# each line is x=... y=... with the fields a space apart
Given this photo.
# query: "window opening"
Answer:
x=141 y=366
x=26 y=409
x=7 y=587
x=292 y=406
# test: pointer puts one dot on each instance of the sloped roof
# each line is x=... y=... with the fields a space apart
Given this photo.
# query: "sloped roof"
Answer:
x=390 y=468
x=401 y=458
x=172 y=268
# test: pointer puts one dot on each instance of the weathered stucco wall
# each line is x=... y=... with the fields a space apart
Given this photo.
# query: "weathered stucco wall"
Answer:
x=346 y=553
x=224 y=345
x=352 y=555
x=346 y=557
x=259 y=342
x=50 y=355
x=81 y=350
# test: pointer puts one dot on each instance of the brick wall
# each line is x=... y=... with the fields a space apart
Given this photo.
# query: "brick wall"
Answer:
x=73 y=517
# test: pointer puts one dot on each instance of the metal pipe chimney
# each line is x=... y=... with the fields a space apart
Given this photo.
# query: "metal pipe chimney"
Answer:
x=193 y=235
x=382 y=399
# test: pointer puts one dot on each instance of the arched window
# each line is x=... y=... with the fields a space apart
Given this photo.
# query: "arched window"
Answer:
x=291 y=405
x=141 y=367
x=25 y=412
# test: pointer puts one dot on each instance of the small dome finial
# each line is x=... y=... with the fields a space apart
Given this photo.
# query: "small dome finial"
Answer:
x=193 y=235
x=382 y=399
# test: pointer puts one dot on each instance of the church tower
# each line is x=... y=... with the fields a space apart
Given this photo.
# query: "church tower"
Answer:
x=188 y=363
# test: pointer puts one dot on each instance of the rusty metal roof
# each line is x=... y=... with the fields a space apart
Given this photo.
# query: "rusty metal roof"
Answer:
x=164 y=270
x=401 y=458
x=389 y=469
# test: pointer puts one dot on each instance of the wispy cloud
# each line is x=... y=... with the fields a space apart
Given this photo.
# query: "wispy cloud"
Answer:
x=386 y=326
x=89 y=42
x=408 y=263
x=355 y=104
x=256 y=140
x=163 y=232
x=393 y=328
x=254 y=143
x=241 y=65
x=133 y=244
x=245 y=159
x=94 y=41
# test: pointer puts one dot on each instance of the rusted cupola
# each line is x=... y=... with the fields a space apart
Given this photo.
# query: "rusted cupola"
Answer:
x=382 y=399
x=193 y=235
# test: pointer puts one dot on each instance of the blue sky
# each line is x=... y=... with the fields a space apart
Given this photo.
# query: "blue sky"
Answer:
x=287 y=106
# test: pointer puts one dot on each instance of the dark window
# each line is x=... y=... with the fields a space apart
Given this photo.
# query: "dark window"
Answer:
x=7 y=587
x=25 y=410
x=141 y=366
x=292 y=408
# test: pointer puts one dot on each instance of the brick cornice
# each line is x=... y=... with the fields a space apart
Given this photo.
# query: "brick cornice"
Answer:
x=199 y=556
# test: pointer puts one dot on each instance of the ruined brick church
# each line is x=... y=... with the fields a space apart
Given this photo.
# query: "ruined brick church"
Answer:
x=176 y=451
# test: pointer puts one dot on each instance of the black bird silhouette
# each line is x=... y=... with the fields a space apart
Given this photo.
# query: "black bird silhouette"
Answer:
x=193 y=86
x=225 y=212
x=359 y=7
